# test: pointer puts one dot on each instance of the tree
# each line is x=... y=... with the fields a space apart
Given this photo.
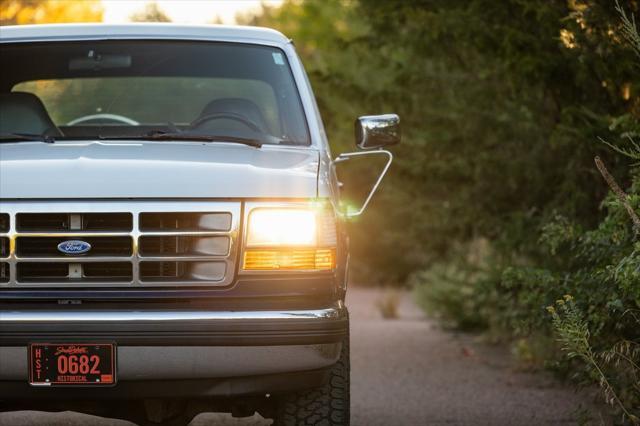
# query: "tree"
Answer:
x=15 y=12
x=151 y=13
x=496 y=100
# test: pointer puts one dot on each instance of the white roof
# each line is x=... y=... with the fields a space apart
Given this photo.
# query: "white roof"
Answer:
x=50 y=32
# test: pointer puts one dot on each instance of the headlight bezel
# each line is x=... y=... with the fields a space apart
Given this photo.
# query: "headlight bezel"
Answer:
x=325 y=235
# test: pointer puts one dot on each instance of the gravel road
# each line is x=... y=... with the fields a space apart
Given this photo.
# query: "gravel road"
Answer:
x=407 y=371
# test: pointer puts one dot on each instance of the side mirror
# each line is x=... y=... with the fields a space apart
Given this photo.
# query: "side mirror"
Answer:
x=373 y=132
x=377 y=131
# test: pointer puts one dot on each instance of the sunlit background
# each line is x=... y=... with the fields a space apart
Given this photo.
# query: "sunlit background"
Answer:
x=186 y=11
x=119 y=11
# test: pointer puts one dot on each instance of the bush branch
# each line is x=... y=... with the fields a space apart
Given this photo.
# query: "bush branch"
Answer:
x=622 y=196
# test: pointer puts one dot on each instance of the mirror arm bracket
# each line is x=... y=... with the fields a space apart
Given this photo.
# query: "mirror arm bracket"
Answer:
x=347 y=156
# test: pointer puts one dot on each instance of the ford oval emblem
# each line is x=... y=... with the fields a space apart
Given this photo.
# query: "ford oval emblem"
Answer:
x=74 y=247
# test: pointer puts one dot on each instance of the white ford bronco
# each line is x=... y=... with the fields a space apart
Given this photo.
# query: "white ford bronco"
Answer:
x=172 y=239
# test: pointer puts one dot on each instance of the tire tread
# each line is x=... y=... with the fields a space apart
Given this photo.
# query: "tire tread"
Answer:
x=328 y=405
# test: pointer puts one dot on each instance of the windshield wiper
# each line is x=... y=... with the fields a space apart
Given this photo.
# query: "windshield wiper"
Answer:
x=26 y=137
x=172 y=136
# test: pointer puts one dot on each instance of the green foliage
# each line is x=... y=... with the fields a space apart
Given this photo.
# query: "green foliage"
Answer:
x=451 y=293
x=616 y=370
x=629 y=29
x=598 y=325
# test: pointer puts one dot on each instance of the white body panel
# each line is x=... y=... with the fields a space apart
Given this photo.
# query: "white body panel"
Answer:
x=155 y=31
x=135 y=169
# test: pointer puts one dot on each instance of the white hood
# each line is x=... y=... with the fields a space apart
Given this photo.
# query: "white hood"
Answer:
x=134 y=169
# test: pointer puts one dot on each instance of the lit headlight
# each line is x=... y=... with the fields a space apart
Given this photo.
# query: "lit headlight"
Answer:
x=278 y=227
x=296 y=238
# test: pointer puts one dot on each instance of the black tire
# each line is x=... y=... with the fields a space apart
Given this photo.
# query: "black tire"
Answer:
x=328 y=405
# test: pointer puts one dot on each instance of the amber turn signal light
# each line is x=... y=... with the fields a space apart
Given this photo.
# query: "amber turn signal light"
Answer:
x=290 y=259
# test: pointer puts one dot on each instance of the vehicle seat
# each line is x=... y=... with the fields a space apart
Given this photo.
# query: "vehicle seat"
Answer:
x=240 y=106
x=22 y=112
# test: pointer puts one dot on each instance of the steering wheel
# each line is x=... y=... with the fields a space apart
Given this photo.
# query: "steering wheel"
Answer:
x=227 y=116
x=102 y=118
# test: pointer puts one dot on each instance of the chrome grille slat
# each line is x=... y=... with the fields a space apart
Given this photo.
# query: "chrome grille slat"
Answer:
x=181 y=258
x=118 y=259
x=185 y=233
x=123 y=234
x=81 y=212
x=96 y=259
x=120 y=234
x=70 y=235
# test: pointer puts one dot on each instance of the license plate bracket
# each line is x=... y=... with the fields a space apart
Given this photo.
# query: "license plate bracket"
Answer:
x=72 y=364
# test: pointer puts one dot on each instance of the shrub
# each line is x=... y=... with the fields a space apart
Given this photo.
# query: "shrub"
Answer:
x=388 y=303
x=616 y=370
x=449 y=293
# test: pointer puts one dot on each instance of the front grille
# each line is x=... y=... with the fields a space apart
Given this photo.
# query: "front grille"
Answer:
x=117 y=244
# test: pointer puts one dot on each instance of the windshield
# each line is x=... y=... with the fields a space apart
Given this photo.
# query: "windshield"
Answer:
x=119 y=89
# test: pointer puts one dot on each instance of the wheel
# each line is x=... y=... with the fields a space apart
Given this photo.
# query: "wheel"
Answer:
x=324 y=406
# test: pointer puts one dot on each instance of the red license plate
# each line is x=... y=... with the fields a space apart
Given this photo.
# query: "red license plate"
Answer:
x=72 y=364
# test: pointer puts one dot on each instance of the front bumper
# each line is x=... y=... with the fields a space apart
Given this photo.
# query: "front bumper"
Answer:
x=213 y=348
x=171 y=327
